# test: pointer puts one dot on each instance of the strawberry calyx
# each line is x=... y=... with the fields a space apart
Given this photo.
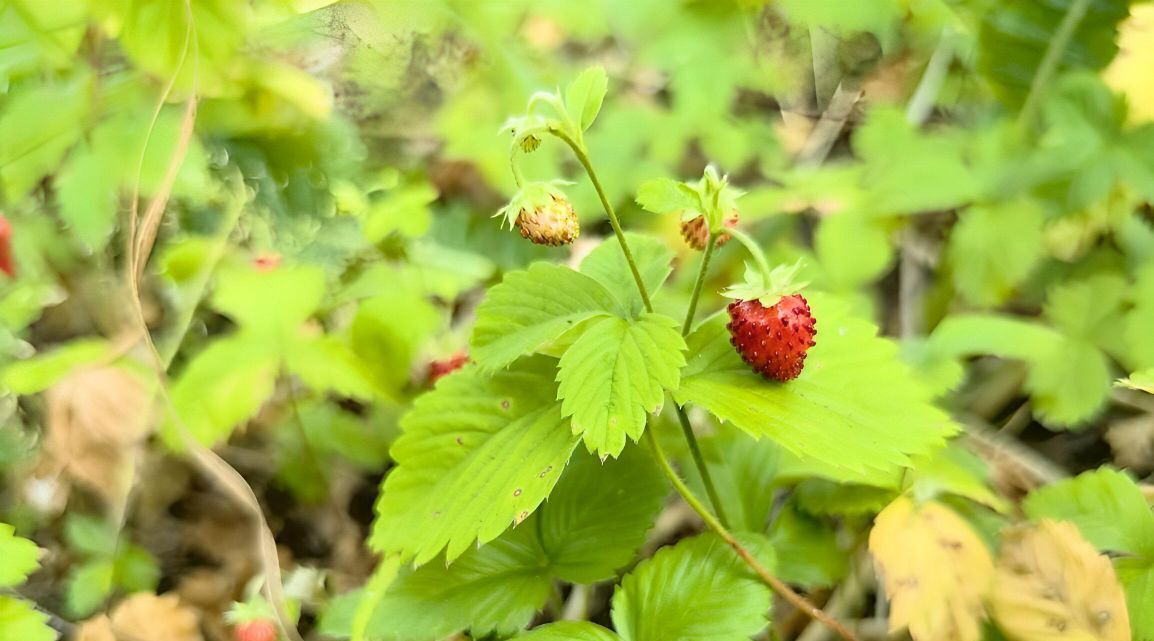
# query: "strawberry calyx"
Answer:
x=767 y=286
x=532 y=196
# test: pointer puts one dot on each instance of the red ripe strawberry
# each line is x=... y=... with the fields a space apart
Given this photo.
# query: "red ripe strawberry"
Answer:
x=696 y=232
x=256 y=630
x=774 y=339
x=444 y=367
x=6 y=264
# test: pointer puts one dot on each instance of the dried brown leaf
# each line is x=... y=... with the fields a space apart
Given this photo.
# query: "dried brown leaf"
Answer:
x=97 y=419
x=936 y=570
x=1052 y=585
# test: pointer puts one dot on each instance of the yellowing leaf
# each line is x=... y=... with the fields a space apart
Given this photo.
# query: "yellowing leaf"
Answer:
x=1129 y=73
x=935 y=568
x=1051 y=584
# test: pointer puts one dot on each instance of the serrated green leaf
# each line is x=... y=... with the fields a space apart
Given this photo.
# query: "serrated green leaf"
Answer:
x=698 y=589
x=1105 y=504
x=807 y=551
x=993 y=248
x=583 y=96
x=606 y=264
x=1087 y=309
x=222 y=386
x=598 y=515
x=496 y=588
x=477 y=455
x=533 y=307
x=21 y=557
x=44 y=370
x=570 y=631
x=855 y=406
x=19 y=620
x=88 y=585
x=1014 y=36
x=615 y=374
x=666 y=196
x=955 y=470
x=593 y=523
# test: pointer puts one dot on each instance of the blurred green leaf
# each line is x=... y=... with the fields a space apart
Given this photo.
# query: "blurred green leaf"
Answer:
x=583 y=96
x=90 y=535
x=615 y=374
x=36 y=138
x=570 y=631
x=87 y=587
x=994 y=248
x=45 y=370
x=273 y=302
x=666 y=196
x=807 y=551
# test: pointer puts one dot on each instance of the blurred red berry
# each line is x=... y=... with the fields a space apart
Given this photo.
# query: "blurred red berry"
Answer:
x=444 y=367
x=6 y=264
x=258 y=630
x=266 y=262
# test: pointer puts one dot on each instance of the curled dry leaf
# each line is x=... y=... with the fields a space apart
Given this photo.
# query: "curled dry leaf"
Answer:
x=935 y=568
x=1051 y=584
x=97 y=419
x=1129 y=73
x=144 y=617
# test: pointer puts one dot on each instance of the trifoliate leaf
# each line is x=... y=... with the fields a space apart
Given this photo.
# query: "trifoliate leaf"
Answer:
x=935 y=568
x=478 y=454
x=221 y=387
x=606 y=264
x=583 y=96
x=698 y=589
x=856 y=406
x=1052 y=584
x=993 y=248
x=597 y=516
x=665 y=195
x=19 y=620
x=1087 y=309
x=1105 y=504
x=21 y=557
x=615 y=374
x=1015 y=36
x=570 y=631
x=533 y=307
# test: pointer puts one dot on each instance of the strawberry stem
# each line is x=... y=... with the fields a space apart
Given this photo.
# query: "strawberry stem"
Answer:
x=755 y=251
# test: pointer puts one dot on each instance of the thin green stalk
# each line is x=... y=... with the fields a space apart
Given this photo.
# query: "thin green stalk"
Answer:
x=699 y=462
x=786 y=592
x=697 y=286
x=690 y=438
x=583 y=158
x=754 y=250
x=1049 y=65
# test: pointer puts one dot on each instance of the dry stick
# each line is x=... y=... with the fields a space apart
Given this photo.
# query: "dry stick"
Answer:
x=798 y=601
x=140 y=240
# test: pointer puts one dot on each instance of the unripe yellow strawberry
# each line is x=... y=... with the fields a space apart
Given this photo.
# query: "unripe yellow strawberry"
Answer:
x=552 y=222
